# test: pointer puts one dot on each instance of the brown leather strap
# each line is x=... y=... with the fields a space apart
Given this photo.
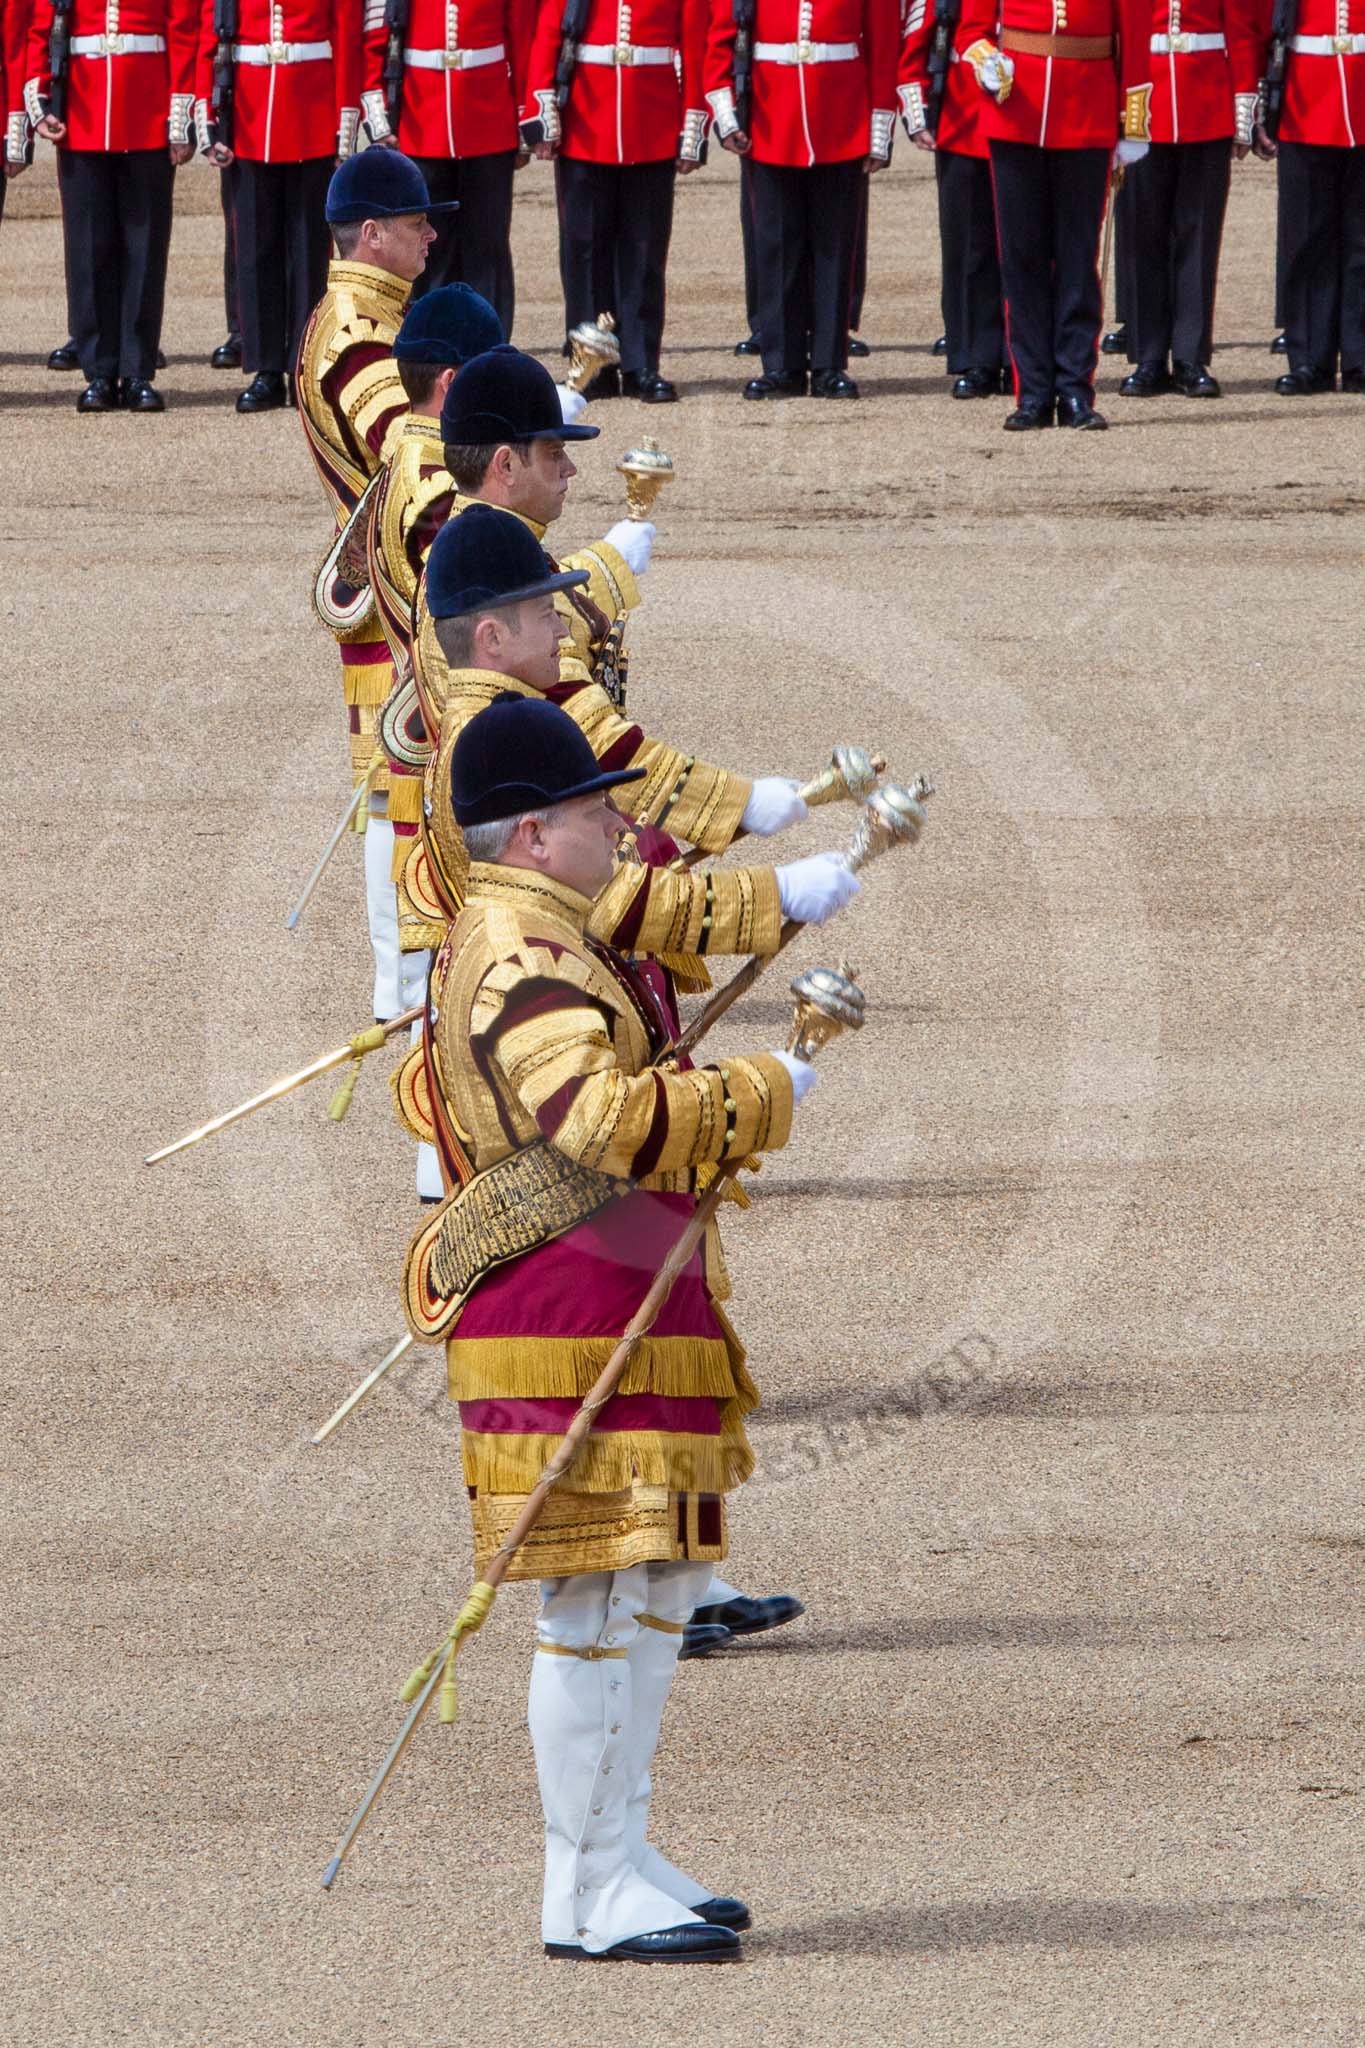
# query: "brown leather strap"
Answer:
x=1080 y=49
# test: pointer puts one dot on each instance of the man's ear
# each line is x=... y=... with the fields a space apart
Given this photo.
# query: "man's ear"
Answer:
x=445 y=380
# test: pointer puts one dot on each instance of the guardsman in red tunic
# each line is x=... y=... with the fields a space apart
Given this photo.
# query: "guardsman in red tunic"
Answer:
x=13 y=53
x=1205 y=69
x=941 y=109
x=806 y=89
x=113 y=88
x=279 y=95
x=613 y=94
x=444 y=79
x=1315 y=121
x=1067 y=86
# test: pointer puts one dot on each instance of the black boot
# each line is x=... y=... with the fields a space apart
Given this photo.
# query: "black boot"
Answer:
x=228 y=354
x=101 y=394
x=267 y=390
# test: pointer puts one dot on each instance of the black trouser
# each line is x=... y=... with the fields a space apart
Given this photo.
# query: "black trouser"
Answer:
x=116 y=220
x=1322 y=240
x=282 y=246
x=746 y=231
x=615 y=221
x=1124 y=252
x=227 y=193
x=859 y=286
x=805 y=229
x=473 y=246
x=973 y=317
x=1049 y=208
x=1179 y=197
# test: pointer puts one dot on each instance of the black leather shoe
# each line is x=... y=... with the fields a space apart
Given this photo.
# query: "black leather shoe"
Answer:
x=1302 y=384
x=858 y=347
x=1193 y=380
x=977 y=384
x=139 y=394
x=1280 y=345
x=606 y=384
x=745 y=1617
x=940 y=347
x=832 y=384
x=690 y=1943
x=780 y=384
x=266 y=391
x=1115 y=342
x=64 y=358
x=724 y=1913
x=101 y=394
x=648 y=386
x=1074 y=411
x=1353 y=380
x=748 y=347
x=161 y=359
x=228 y=354
x=701 y=1638
x=1025 y=418
x=1146 y=381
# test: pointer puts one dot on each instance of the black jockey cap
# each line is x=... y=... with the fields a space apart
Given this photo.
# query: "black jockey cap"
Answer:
x=523 y=754
x=505 y=396
x=485 y=558
x=379 y=184
x=447 y=328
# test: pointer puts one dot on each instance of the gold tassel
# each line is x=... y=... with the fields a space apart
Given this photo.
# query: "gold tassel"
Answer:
x=471 y=1616
x=549 y=1368
x=363 y=1042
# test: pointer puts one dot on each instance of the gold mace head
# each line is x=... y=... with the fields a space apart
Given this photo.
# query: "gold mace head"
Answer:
x=828 y=1001
x=892 y=816
x=851 y=775
x=593 y=346
x=646 y=470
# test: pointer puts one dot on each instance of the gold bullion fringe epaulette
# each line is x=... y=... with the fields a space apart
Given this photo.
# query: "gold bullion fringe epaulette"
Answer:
x=511 y=1208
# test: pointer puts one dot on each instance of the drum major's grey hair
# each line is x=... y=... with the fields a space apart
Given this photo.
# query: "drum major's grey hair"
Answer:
x=488 y=843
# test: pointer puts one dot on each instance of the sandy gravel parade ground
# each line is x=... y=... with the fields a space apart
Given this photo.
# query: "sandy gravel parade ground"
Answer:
x=1054 y=1298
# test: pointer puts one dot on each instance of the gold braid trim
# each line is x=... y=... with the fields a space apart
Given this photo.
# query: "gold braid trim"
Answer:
x=609 y=1463
x=665 y=1628
x=587 y=1532
x=561 y=1368
x=516 y=1205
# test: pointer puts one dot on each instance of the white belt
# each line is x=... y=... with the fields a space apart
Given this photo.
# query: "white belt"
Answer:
x=454 y=60
x=117 y=46
x=623 y=54
x=805 y=53
x=280 y=53
x=1182 y=45
x=1317 y=46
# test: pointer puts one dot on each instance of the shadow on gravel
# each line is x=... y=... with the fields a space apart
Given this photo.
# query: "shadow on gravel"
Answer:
x=980 y=1631
x=1041 y=1923
x=67 y=391
x=876 y=1188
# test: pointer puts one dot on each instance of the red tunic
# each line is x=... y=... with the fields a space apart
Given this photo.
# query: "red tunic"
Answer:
x=959 y=120
x=636 y=89
x=119 y=97
x=13 y=71
x=1063 y=102
x=1194 y=91
x=463 y=75
x=824 y=78
x=1324 y=90
x=306 y=102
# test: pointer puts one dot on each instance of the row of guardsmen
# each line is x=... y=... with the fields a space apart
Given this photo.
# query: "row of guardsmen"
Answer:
x=1028 y=106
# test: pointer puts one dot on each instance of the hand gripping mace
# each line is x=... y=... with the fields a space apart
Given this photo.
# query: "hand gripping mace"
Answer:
x=893 y=816
x=850 y=777
x=827 y=1002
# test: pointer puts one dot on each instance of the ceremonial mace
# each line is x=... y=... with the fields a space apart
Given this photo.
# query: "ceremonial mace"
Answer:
x=828 y=1001
x=646 y=470
x=850 y=777
x=893 y=817
x=593 y=346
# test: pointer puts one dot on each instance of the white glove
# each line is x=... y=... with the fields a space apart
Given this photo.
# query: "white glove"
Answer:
x=774 y=803
x=997 y=74
x=811 y=890
x=1131 y=150
x=572 y=405
x=634 y=540
x=803 y=1074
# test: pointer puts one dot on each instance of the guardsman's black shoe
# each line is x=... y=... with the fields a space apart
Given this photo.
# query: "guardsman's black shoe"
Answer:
x=689 y=1943
x=139 y=394
x=267 y=390
x=1029 y=415
x=940 y=347
x=724 y=1913
x=101 y=394
x=1193 y=380
x=1075 y=411
x=1302 y=384
x=1354 y=381
x=701 y=1638
x=648 y=386
x=745 y=1617
x=1146 y=381
x=778 y=384
x=748 y=347
x=64 y=358
x=832 y=384
x=858 y=347
x=1115 y=342
x=977 y=384
x=1280 y=345
x=228 y=354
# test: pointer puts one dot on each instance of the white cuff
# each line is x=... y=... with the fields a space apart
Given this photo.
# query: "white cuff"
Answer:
x=33 y=102
x=182 y=107
x=202 y=124
x=911 y=98
x=693 y=134
x=376 y=116
x=548 y=108
x=16 y=139
x=1248 y=112
x=722 y=105
x=883 y=124
x=348 y=133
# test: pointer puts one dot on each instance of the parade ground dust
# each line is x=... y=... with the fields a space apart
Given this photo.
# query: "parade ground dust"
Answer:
x=1051 y=1297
